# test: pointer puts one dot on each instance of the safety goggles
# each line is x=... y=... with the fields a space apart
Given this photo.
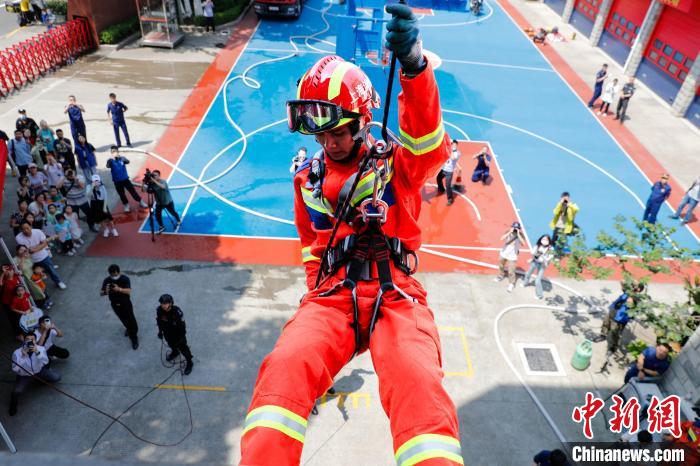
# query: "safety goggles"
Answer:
x=316 y=116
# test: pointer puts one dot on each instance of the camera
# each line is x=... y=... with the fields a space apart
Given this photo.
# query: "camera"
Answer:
x=29 y=346
x=148 y=180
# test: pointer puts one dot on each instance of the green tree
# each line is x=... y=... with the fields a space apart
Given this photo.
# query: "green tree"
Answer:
x=638 y=251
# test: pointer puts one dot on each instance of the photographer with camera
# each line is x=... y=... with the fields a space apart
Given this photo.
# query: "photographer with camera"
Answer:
x=563 y=224
x=508 y=256
x=117 y=165
x=29 y=361
x=153 y=184
x=45 y=334
x=117 y=287
x=171 y=325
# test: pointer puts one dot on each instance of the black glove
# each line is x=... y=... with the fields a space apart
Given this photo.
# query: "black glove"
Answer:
x=160 y=335
x=402 y=39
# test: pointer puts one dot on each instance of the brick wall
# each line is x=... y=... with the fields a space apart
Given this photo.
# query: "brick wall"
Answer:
x=683 y=378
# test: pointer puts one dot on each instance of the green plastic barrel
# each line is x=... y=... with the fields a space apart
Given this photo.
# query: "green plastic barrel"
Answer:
x=582 y=356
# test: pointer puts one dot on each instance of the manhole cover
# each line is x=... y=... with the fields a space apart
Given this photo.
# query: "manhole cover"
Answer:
x=540 y=359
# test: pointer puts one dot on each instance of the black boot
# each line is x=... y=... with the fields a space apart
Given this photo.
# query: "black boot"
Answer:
x=135 y=343
x=188 y=367
x=173 y=354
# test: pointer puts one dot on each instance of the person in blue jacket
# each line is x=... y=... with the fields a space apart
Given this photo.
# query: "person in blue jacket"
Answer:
x=116 y=110
x=615 y=321
x=75 y=117
x=86 y=157
x=659 y=193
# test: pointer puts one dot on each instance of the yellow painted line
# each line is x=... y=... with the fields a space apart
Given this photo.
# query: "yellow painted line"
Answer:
x=343 y=396
x=193 y=388
x=470 y=369
x=12 y=33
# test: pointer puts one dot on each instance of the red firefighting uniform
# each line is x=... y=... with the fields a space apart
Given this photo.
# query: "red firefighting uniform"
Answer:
x=319 y=339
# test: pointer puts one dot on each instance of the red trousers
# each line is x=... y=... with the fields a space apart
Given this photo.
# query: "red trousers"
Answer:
x=315 y=345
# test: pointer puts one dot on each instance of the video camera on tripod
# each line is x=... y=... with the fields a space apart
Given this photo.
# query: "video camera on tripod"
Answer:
x=148 y=181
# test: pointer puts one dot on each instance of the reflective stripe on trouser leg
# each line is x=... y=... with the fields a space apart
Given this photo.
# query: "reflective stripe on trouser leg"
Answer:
x=278 y=418
x=429 y=446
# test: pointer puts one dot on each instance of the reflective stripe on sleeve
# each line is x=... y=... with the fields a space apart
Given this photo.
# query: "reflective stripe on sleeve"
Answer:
x=277 y=418
x=366 y=185
x=424 y=144
x=428 y=446
x=317 y=204
x=306 y=255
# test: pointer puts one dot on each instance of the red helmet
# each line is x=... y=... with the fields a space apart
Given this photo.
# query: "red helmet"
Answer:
x=331 y=93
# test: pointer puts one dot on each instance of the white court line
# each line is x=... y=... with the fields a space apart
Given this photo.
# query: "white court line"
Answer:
x=498 y=65
x=585 y=104
x=459 y=130
x=263 y=49
x=476 y=209
x=218 y=235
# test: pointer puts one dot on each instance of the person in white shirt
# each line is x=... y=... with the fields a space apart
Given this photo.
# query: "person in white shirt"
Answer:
x=35 y=240
x=45 y=334
x=690 y=199
x=446 y=174
x=542 y=254
x=54 y=171
x=611 y=90
x=509 y=254
x=29 y=361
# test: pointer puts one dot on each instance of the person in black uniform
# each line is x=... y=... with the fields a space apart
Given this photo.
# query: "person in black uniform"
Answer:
x=171 y=325
x=118 y=287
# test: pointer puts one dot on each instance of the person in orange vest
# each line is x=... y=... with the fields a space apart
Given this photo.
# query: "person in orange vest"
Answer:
x=361 y=295
x=689 y=441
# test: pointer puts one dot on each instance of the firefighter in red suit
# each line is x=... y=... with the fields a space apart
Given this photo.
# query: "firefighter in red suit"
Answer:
x=367 y=298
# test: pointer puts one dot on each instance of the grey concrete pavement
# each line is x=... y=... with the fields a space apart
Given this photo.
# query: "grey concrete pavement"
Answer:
x=11 y=33
x=649 y=118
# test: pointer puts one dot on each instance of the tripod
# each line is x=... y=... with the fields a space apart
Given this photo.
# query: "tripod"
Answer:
x=151 y=213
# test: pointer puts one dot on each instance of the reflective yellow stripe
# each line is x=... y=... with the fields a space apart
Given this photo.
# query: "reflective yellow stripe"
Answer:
x=691 y=435
x=319 y=205
x=299 y=86
x=423 y=144
x=306 y=255
x=337 y=79
x=427 y=446
x=366 y=185
x=277 y=418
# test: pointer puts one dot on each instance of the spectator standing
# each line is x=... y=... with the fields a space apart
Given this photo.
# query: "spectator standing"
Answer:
x=611 y=90
x=624 y=100
x=652 y=362
x=481 y=171
x=598 y=86
x=9 y=281
x=24 y=263
x=615 y=321
x=54 y=171
x=45 y=334
x=208 y=10
x=120 y=177
x=24 y=192
x=508 y=256
x=117 y=287
x=21 y=152
x=29 y=137
x=62 y=230
x=24 y=122
x=690 y=199
x=38 y=246
x=48 y=18
x=39 y=154
x=76 y=232
x=64 y=150
x=116 y=110
x=164 y=200
x=74 y=187
x=29 y=361
x=20 y=305
x=17 y=217
x=38 y=181
x=38 y=279
x=4 y=152
x=563 y=224
x=659 y=193
x=75 y=116
x=172 y=327
x=542 y=254
x=550 y=458
x=86 y=157
x=99 y=206
x=25 y=14
x=39 y=208
x=446 y=174
x=46 y=135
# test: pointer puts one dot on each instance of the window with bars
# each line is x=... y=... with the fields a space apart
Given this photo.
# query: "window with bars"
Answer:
x=672 y=62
